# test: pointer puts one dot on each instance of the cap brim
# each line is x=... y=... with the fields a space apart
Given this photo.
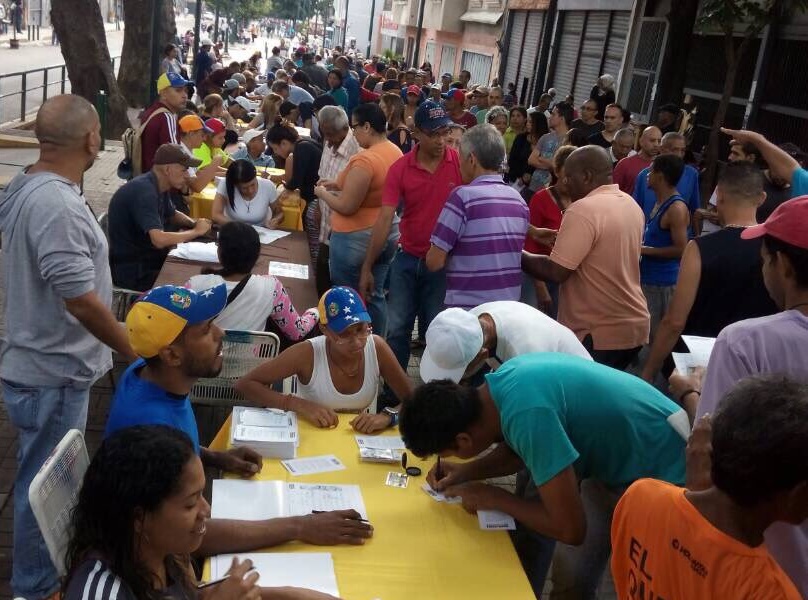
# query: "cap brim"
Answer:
x=756 y=231
x=206 y=129
x=342 y=323
x=431 y=371
x=436 y=124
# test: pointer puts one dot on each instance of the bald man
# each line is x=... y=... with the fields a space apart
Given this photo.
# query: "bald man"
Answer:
x=59 y=327
x=596 y=259
x=626 y=171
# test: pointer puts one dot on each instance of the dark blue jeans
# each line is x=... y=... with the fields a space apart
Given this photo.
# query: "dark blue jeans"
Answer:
x=414 y=291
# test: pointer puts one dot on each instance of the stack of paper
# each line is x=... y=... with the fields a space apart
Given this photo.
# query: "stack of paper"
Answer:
x=270 y=432
x=311 y=570
x=385 y=449
x=201 y=251
x=273 y=499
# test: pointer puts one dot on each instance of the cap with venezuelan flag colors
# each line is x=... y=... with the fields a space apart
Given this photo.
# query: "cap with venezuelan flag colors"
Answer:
x=340 y=307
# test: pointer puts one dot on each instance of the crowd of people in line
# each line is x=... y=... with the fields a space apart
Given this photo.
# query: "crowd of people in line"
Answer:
x=552 y=258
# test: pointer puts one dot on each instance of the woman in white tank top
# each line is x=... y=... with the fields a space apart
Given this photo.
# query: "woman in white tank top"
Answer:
x=336 y=372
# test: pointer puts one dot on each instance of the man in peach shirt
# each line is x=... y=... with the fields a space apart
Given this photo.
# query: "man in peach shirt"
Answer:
x=596 y=259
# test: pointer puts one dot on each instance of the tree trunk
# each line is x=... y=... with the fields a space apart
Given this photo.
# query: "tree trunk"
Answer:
x=135 y=72
x=671 y=81
x=80 y=28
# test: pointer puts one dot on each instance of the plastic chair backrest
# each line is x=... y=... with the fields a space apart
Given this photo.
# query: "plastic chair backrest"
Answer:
x=54 y=493
x=242 y=351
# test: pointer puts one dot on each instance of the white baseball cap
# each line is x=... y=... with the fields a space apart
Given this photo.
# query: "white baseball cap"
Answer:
x=251 y=134
x=453 y=340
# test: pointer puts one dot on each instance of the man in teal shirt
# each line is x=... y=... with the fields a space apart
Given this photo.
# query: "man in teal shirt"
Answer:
x=585 y=432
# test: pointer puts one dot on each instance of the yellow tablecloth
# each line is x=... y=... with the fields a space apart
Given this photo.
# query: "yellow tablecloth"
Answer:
x=421 y=549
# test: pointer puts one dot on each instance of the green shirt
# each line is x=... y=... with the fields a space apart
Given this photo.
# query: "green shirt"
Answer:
x=205 y=153
x=558 y=410
x=481 y=114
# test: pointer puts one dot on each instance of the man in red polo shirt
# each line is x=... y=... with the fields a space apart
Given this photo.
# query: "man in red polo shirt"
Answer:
x=420 y=181
x=456 y=108
x=626 y=171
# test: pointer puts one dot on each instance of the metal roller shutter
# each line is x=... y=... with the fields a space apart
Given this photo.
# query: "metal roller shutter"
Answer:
x=567 y=55
x=479 y=65
x=429 y=54
x=535 y=27
x=518 y=20
x=597 y=26
x=447 y=60
x=616 y=44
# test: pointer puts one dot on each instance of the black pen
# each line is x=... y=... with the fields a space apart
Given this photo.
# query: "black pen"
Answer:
x=438 y=471
x=319 y=512
x=201 y=586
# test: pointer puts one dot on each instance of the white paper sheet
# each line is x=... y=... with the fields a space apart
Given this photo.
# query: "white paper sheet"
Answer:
x=250 y=433
x=386 y=442
x=272 y=499
x=313 y=464
x=311 y=570
x=282 y=269
x=494 y=520
x=261 y=417
x=440 y=496
x=686 y=363
x=267 y=236
x=700 y=347
x=201 y=251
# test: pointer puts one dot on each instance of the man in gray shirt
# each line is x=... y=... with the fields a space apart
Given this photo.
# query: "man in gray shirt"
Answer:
x=59 y=327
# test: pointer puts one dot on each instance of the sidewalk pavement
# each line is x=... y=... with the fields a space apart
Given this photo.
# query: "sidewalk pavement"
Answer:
x=45 y=35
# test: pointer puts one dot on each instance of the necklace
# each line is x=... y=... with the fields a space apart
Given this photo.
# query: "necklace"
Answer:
x=344 y=372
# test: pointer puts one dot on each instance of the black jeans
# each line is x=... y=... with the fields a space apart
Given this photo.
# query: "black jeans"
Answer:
x=617 y=359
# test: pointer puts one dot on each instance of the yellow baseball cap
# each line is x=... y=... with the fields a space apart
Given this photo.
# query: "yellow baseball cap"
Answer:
x=160 y=315
x=167 y=80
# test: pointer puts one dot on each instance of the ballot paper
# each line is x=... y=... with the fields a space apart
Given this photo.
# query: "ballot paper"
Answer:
x=267 y=236
x=440 y=496
x=201 y=251
x=494 y=520
x=313 y=464
x=270 y=432
x=273 y=499
x=700 y=347
x=379 y=442
x=685 y=362
x=311 y=570
x=282 y=269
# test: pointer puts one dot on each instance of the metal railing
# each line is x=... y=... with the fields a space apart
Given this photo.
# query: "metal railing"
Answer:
x=29 y=82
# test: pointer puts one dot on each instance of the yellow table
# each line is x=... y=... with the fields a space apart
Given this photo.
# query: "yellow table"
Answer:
x=421 y=549
x=202 y=206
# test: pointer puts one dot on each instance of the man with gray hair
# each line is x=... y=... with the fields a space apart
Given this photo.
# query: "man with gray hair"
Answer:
x=622 y=145
x=292 y=93
x=481 y=230
x=59 y=327
x=338 y=147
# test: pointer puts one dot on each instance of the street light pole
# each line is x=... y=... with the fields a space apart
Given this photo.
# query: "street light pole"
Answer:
x=370 y=31
x=345 y=29
x=418 y=33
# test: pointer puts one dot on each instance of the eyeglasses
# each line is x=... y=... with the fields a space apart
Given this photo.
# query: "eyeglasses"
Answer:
x=360 y=334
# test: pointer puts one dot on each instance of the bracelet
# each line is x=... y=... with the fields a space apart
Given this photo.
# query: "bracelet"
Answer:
x=688 y=392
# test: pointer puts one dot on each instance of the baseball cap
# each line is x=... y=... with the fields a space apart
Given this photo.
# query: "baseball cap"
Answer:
x=435 y=86
x=160 y=315
x=214 y=125
x=414 y=89
x=245 y=104
x=340 y=307
x=173 y=154
x=788 y=223
x=251 y=134
x=453 y=339
x=456 y=95
x=191 y=123
x=167 y=80
x=239 y=78
x=230 y=84
x=205 y=42
x=481 y=91
x=430 y=116
x=446 y=75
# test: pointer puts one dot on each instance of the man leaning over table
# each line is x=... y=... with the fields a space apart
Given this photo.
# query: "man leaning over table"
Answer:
x=59 y=328
x=171 y=328
x=140 y=213
x=585 y=432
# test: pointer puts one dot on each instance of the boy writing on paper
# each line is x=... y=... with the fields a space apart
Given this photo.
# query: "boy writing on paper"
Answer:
x=678 y=544
x=584 y=431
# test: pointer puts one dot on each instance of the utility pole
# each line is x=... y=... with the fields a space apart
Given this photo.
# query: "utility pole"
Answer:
x=345 y=28
x=421 y=5
x=216 y=25
x=197 y=22
x=370 y=31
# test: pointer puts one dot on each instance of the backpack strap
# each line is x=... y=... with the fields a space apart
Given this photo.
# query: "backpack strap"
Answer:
x=237 y=290
x=137 y=149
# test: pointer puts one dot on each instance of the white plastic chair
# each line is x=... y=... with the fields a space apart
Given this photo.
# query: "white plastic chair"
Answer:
x=242 y=351
x=54 y=493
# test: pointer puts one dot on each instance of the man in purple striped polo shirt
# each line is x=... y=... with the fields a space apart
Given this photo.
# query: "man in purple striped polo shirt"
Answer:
x=481 y=229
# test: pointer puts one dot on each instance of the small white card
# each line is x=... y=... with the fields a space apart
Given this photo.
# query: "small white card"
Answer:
x=282 y=269
x=440 y=496
x=313 y=464
x=494 y=520
x=399 y=480
x=380 y=442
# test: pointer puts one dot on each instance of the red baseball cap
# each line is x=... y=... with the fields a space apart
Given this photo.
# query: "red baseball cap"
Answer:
x=414 y=89
x=215 y=125
x=456 y=95
x=788 y=223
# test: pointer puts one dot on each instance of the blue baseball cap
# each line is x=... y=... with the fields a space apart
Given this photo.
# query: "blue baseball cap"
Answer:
x=340 y=307
x=430 y=116
x=167 y=80
x=160 y=315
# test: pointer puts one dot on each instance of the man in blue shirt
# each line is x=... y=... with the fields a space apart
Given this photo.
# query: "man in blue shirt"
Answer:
x=349 y=82
x=687 y=186
x=575 y=424
x=171 y=328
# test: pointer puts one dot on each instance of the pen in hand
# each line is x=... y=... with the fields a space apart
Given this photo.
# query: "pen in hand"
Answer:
x=319 y=512
x=207 y=584
x=438 y=471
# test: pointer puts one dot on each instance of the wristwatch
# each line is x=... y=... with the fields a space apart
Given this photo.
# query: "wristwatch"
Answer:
x=393 y=415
